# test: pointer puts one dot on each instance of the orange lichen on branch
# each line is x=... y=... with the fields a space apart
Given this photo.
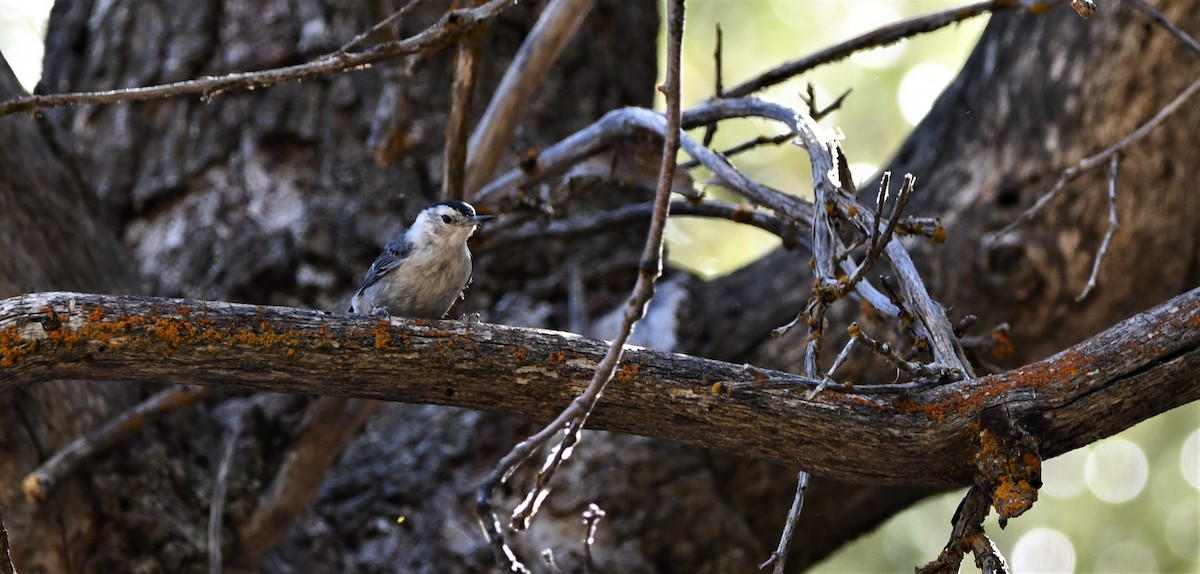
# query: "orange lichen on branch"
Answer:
x=939 y=233
x=1002 y=346
x=1011 y=468
x=741 y=215
x=627 y=373
x=556 y=358
x=14 y=347
x=383 y=336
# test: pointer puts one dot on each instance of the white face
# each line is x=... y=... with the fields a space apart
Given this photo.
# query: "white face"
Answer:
x=445 y=223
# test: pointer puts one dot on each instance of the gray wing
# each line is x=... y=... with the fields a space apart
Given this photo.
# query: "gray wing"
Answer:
x=392 y=257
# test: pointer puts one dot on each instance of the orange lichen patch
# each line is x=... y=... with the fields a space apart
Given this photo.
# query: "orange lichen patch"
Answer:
x=1003 y=347
x=741 y=215
x=719 y=388
x=627 y=373
x=1012 y=498
x=862 y=401
x=382 y=333
x=852 y=210
x=1194 y=321
x=939 y=233
x=168 y=331
x=556 y=358
x=14 y=347
x=519 y=354
x=1012 y=469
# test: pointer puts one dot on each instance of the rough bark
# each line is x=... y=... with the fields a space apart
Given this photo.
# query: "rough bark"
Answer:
x=283 y=196
x=922 y=436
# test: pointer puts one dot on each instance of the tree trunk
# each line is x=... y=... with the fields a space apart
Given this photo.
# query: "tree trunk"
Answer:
x=284 y=196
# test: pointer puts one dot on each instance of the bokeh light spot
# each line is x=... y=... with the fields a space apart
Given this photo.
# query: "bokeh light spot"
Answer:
x=1116 y=470
x=1183 y=531
x=1127 y=556
x=1043 y=551
x=920 y=87
x=1062 y=476
x=1189 y=459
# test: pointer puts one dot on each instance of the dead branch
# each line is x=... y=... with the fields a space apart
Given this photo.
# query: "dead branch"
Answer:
x=541 y=48
x=640 y=212
x=38 y=484
x=452 y=26
x=454 y=159
x=330 y=424
x=1134 y=370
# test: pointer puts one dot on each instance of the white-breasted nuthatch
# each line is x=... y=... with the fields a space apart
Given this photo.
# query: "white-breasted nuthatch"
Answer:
x=425 y=269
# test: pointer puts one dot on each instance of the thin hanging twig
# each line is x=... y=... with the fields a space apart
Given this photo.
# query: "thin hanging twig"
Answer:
x=1113 y=223
x=573 y=418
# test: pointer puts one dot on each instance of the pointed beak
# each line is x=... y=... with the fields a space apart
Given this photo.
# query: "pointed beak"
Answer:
x=480 y=219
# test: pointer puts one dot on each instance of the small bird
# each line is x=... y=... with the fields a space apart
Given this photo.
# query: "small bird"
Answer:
x=425 y=269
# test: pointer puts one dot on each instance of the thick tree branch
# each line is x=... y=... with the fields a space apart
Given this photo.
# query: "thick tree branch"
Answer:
x=1139 y=368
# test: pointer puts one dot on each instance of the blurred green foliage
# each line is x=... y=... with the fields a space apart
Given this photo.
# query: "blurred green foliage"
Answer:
x=1071 y=528
x=886 y=84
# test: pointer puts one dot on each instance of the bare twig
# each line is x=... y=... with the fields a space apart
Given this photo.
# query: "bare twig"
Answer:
x=817 y=113
x=786 y=230
x=381 y=26
x=873 y=39
x=779 y=556
x=1093 y=161
x=548 y=560
x=1113 y=223
x=710 y=130
x=454 y=159
x=449 y=28
x=216 y=509
x=968 y=524
x=573 y=418
x=541 y=48
x=880 y=239
x=987 y=557
x=889 y=353
x=38 y=484
x=6 y=563
x=719 y=88
x=742 y=147
x=619 y=124
x=591 y=519
x=1160 y=19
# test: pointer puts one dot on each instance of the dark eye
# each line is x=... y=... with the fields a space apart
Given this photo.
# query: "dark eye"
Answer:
x=445 y=219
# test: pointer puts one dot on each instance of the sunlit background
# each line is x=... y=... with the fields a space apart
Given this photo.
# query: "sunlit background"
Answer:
x=1130 y=503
